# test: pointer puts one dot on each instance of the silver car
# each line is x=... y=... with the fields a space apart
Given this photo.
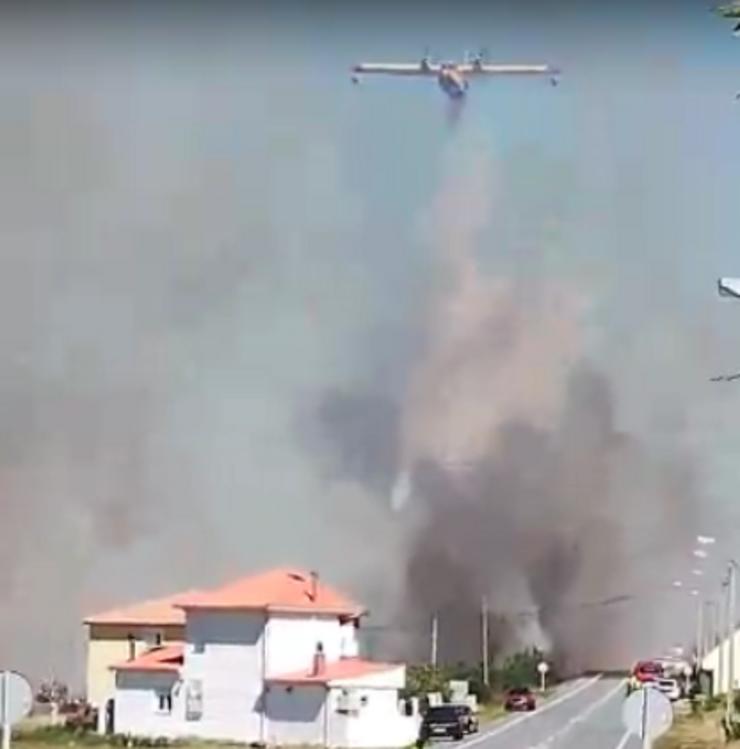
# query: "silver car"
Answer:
x=670 y=688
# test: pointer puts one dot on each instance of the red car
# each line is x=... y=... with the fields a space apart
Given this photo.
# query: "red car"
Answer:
x=646 y=671
x=520 y=698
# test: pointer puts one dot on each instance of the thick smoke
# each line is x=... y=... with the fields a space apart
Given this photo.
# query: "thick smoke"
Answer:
x=529 y=493
x=173 y=289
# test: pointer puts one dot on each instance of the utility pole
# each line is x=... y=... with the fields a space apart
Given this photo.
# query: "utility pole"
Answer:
x=730 y=704
x=710 y=627
x=699 y=633
x=435 y=635
x=484 y=639
x=647 y=742
x=721 y=626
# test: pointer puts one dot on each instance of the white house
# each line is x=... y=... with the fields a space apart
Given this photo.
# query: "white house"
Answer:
x=271 y=659
x=720 y=666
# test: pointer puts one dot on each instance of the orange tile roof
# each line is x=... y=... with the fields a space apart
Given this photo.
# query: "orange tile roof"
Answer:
x=166 y=658
x=281 y=590
x=344 y=668
x=157 y=612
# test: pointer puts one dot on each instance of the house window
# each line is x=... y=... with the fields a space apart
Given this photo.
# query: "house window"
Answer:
x=164 y=702
x=131 y=646
x=153 y=638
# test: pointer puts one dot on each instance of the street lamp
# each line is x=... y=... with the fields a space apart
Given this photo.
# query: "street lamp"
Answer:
x=730 y=622
x=706 y=540
x=700 y=554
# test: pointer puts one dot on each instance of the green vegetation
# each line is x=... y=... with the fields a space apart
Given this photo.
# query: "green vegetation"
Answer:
x=520 y=670
x=517 y=670
x=420 y=680
x=49 y=736
x=702 y=730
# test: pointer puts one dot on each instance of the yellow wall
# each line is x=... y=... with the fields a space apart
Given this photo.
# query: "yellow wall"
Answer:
x=107 y=644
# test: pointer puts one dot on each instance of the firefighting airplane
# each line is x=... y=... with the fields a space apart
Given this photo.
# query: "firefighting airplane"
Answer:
x=452 y=76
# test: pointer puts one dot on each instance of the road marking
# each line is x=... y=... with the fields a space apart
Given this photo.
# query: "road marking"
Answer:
x=516 y=721
x=581 y=717
x=623 y=742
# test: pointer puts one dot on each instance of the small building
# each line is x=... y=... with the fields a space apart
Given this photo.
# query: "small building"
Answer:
x=271 y=658
x=123 y=634
x=717 y=663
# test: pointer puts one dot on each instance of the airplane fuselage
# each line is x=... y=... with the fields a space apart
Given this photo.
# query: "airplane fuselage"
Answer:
x=452 y=82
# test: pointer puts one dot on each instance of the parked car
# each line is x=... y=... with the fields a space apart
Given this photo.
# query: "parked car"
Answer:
x=470 y=719
x=647 y=671
x=670 y=688
x=444 y=721
x=520 y=698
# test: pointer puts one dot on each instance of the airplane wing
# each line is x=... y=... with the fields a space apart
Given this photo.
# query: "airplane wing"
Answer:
x=488 y=69
x=396 y=69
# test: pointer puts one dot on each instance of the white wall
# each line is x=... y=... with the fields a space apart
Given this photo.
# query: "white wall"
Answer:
x=230 y=669
x=711 y=663
x=308 y=715
x=292 y=639
x=296 y=715
x=136 y=705
x=378 y=723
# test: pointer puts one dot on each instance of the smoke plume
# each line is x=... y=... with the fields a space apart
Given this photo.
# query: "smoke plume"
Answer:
x=529 y=494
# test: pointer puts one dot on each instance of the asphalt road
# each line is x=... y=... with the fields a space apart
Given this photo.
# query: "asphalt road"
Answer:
x=586 y=714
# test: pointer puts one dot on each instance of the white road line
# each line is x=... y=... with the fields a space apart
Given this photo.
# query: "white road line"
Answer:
x=623 y=741
x=580 y=717
x=516 y=721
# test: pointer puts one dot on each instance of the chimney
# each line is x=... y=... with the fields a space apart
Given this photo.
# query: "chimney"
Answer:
x=313 y=595
x=319 y=660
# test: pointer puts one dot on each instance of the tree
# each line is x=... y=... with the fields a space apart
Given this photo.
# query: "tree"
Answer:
x=422 y=679
x=520 y=669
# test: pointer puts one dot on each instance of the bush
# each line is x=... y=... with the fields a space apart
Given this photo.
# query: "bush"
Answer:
x=420 y=680
x=712 y=703
x=731 y=729
x=520 y=669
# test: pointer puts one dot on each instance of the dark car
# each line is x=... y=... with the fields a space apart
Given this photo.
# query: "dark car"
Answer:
x=444 y=721
x=520 y=698
x=470 y=719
